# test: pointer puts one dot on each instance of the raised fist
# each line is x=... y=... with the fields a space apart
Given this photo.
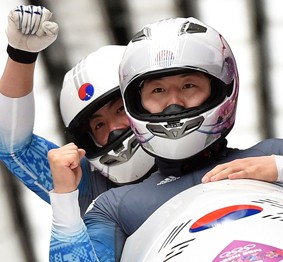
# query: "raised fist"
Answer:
x=30 y=29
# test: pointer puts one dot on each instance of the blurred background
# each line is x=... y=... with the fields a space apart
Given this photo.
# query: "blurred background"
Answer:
x=253 y=28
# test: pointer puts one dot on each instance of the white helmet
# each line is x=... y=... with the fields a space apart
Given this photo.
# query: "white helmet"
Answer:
x=87 y=87
x=171 y=47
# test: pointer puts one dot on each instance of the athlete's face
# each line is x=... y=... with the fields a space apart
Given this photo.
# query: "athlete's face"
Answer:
x=187 y=90
x=110 y=117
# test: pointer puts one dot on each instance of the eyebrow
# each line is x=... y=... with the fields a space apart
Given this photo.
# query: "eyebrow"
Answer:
x=181 y=75
x=113 y=101
x=188 y=74
x=93 y=116
x=107 y=105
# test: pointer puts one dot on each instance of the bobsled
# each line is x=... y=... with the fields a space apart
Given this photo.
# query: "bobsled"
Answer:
x=224 y=221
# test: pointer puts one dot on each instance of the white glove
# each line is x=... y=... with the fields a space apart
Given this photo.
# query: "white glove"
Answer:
x=30 y=29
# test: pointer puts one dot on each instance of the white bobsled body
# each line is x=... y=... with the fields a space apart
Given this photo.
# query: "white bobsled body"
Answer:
x=224 y=221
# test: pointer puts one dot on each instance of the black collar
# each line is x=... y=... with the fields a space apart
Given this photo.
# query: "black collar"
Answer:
x=213 y=153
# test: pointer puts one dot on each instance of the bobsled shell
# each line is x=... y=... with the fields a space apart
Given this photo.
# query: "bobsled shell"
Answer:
x=220 y=222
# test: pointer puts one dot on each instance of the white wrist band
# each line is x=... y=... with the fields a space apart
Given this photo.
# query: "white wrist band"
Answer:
x=279 y=165
x=66 y=212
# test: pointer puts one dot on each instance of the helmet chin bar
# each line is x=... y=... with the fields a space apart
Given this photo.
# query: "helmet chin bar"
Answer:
x=176 y=129
x=122 y=155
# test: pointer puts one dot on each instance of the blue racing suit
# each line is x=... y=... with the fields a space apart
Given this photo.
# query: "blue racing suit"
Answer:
x=119 y=212
x=25 y=154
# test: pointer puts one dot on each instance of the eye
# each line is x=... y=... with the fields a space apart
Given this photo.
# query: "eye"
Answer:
x=188 y=85
x=98 y=125
x=158 y=90
x=121 y=109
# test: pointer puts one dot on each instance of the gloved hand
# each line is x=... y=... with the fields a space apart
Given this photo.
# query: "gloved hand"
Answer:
x=30 y=29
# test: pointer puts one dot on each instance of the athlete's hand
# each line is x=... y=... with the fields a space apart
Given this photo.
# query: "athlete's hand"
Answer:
x=258 y=168
x=65 y=167
x=30 y=29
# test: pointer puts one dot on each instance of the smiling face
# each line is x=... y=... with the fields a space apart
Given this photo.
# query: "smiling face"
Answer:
x=187 y=90
x=108 y=118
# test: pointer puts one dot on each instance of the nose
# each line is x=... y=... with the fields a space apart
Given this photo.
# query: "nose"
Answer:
x=118 y=123
x=116 y=127
x=115 y=134
x=176 y=97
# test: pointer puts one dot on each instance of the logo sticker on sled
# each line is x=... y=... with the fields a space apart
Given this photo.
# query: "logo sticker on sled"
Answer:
x=246 y=251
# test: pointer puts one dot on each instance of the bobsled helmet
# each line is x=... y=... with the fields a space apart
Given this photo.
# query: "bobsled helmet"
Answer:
x=87 y=87
x=171 y=47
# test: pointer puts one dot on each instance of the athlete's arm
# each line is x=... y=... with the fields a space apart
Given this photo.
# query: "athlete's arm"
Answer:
x=92 y=239
x=95 y=238
x=69 y=236
x=267 y=167
x=29 y=31
x=259 y=168
x=17 y=79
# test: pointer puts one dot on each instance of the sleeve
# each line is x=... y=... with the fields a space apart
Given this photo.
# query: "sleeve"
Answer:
x=22 y=152
x=25 y=154
x=273 y=146
x=30 y=165
x=95 y=238
x=279 y=165
x=69 y=237
x=16 y=122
